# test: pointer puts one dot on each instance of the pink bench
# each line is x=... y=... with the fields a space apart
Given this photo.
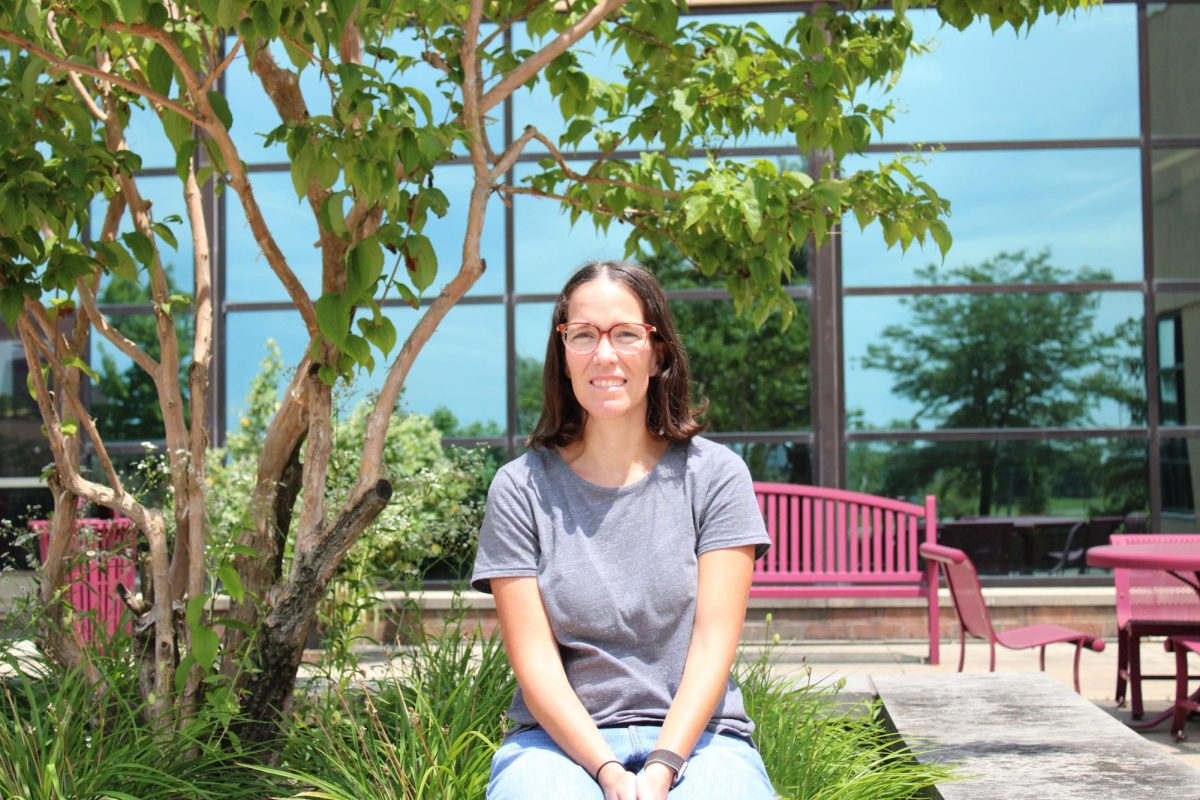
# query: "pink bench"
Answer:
x=100 y=558
x=834 y=543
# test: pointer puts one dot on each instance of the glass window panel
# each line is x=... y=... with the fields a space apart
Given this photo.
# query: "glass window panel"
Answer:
x=532 y=334
x=23 y=449
x=994 y=361
x=537 y=107
x=981 y=86
x=460 y=369
x=124 y=401
x=1014 y=485
x=1176 y=457
x=1178 y=316
x=254 y=114
x=1175 y=185
x=165 y=195
x=145 y=136
x=548 y=248
x=1081 y=206
x=754 y=380
x=786 y=462
x=1172 y=32
x=17 y=507
x=249 y=277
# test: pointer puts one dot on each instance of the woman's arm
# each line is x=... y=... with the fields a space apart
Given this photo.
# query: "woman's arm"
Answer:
x=533 y=653
x=724 y=586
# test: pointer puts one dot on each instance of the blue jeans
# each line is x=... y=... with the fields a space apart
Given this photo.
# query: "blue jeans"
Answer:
x=529 y=765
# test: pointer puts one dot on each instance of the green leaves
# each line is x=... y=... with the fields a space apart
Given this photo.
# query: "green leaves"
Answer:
x=220 y=107
x=160 y=70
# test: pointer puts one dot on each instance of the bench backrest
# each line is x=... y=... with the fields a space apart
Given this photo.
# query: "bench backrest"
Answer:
x=1151 y=595
x=823 y=535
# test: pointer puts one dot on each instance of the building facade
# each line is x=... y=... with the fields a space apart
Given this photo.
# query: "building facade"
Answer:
x=1046 y=367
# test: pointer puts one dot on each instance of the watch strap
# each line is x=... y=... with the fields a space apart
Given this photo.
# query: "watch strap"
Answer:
x=673 y=761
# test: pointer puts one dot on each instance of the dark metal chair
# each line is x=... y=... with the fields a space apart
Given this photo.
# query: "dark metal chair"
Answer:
x=1080 y=538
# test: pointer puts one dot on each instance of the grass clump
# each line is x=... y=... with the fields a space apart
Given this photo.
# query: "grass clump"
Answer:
x=818 y=745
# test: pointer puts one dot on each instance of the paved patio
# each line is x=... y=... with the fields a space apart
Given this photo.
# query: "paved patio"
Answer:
x=1097 y=673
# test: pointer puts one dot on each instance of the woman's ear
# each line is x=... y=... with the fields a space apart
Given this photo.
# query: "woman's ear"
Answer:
x=656 y=366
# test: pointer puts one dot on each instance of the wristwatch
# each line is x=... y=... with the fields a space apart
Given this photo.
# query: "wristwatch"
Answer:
x=673 y=761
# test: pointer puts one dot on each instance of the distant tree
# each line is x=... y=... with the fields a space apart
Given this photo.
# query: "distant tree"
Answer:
x=752 y=378
x=1025 y=360
x=126 y=404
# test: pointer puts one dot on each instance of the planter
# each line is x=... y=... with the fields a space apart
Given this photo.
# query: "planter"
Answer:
x=100 y=557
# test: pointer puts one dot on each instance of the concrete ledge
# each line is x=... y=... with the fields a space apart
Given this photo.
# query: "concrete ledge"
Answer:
x=1025 y=735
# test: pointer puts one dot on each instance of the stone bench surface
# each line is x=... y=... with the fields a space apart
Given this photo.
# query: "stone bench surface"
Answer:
x=1025 y=735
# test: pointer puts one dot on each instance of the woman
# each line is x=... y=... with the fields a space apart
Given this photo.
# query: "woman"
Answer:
x=620 y=550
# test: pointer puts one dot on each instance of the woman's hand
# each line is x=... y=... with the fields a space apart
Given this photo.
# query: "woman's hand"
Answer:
x=619 y=783
x=654 y=781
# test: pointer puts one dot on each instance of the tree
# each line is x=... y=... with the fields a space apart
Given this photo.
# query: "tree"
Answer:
x=73 y=72
x=752 y=377
x=991 y=361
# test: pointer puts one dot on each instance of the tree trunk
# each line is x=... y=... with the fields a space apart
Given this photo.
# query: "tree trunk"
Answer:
x=267 y=699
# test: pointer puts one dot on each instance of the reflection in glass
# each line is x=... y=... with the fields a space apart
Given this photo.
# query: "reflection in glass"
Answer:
x=1070 y=359
x=753 y=380
x=460 y=369
x=1178 y=315
x=1007 y=477
x=1083 y=206
x=17 y=507
x=1175 y=183
x=23 y=449
x=786 y=462
x=1179 y=488
x=124 y=400
x=977 y=85
x=1173 y=33
x=532 y=332
x=291 y=222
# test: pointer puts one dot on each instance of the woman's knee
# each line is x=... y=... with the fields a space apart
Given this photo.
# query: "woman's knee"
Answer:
x=529 y=764
x=727 y=767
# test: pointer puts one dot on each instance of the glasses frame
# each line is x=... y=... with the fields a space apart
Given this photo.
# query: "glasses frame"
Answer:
x=564 y=326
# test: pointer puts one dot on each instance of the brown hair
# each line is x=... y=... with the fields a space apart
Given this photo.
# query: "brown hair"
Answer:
x=669 y=414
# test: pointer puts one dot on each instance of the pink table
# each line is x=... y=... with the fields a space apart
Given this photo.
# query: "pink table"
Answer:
x=1180 y=560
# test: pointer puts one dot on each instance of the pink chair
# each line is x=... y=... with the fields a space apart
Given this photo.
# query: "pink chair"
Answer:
x=1149 y=603
x=974 y=619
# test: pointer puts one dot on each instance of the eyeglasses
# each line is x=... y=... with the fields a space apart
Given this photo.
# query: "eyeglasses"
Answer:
x=625 y=337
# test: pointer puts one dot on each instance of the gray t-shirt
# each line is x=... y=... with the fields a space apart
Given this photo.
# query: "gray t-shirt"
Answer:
x=617 y=570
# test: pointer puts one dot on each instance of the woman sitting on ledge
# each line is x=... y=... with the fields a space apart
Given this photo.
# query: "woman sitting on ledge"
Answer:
x=620 y=550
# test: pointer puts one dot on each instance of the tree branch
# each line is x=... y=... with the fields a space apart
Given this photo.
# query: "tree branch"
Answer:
x=72 y=76
x=575 y=176
x=500 y=30
x=216 y=74
x=101 y=323
x=208 y=121
x=513 y=152
x=536 y=62
x=108 y=77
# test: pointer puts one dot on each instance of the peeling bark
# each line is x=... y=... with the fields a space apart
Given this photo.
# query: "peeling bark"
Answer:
x=268 y=693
